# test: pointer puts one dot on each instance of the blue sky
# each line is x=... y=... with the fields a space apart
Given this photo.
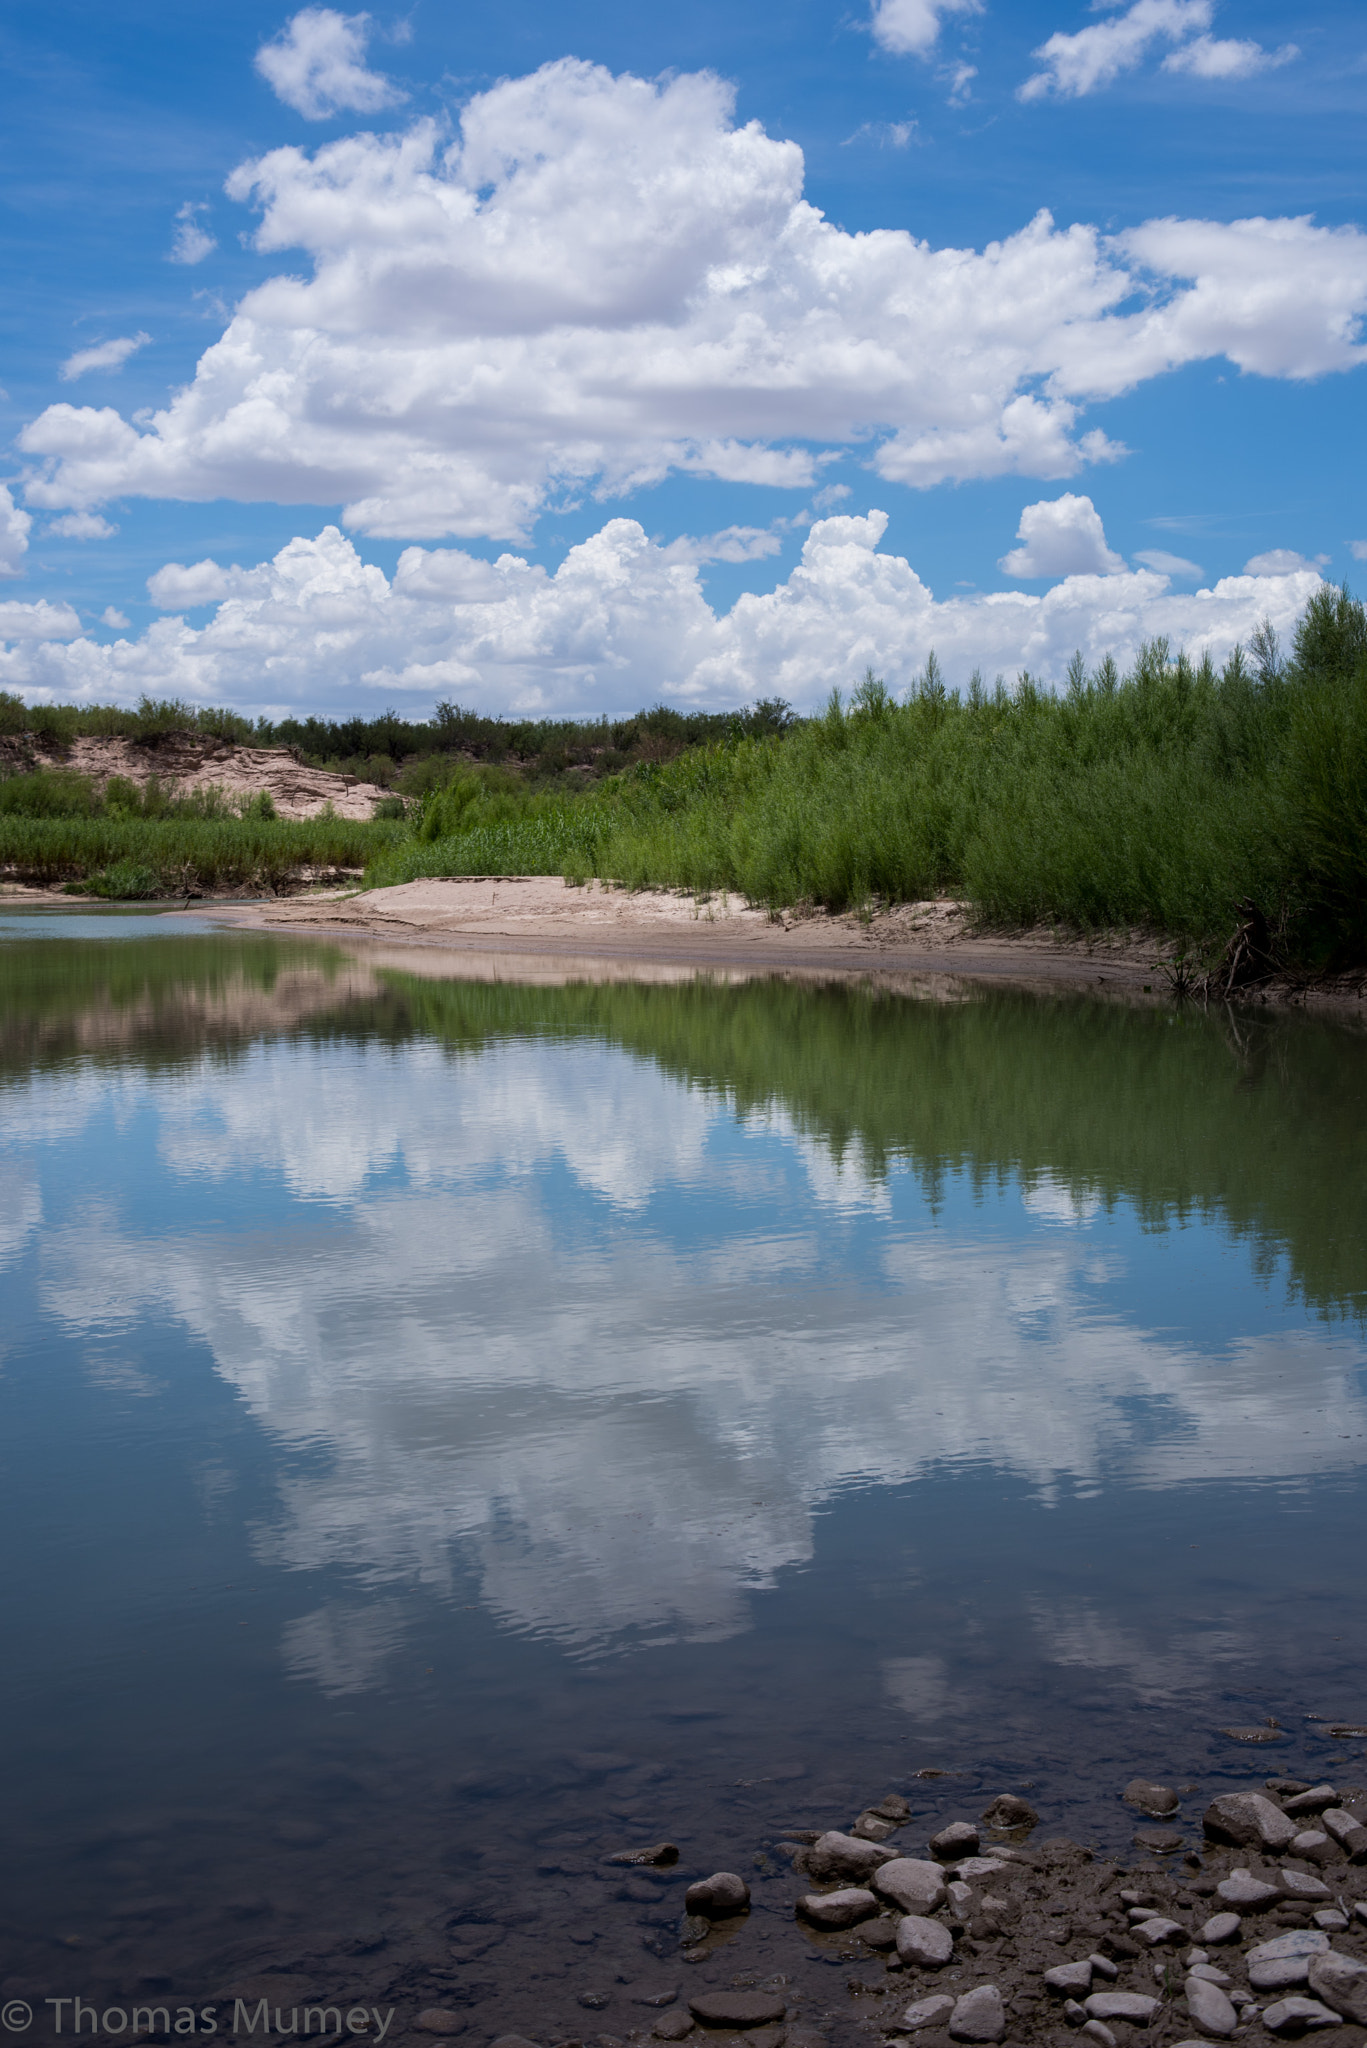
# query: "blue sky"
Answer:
x=633 y=314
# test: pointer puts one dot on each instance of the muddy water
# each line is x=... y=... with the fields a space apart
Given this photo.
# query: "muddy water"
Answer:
x=452 y=1430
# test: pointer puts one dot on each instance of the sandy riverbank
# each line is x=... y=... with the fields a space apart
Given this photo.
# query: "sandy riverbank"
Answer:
x=544 y=915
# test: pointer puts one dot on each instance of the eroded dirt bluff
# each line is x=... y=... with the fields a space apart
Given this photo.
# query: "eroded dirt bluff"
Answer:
x=188 y=762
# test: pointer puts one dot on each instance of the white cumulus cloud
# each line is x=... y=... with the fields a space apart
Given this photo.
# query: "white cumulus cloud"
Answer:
x=114 y=619
x=1062 y=537
x=41 y=621
x=622 y=621
x=602 y=280
x=81 y=526
x=1358 y=550
x=317 y=66
x=1281 y=562
x=912 y=27
x=191 y=242
x=105 y=355
x=15 y=526
x=1072 y=66
x=1208 y=57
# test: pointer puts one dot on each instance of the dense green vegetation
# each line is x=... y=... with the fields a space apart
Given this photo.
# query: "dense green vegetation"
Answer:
x=407 y=755
x=1174 y=798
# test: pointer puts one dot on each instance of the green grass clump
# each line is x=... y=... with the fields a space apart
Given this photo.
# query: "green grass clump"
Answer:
x=116 y=855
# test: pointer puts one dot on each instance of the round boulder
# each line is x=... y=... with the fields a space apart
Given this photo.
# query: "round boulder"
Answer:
x=718 y=1896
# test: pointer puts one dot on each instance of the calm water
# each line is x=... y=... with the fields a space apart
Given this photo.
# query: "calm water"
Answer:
x=450 y=1422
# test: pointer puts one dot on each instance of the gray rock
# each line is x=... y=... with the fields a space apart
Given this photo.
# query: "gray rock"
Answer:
x=1314 y=1846
x=961 y=1897
x=892 y=1806
x=915 y=1886
x=1097 y=2030
x=1210 y=2009
x=718 y=1896
x=1342 y=1983
x=1300 y=1885
x=665 y=1997
x=1158 y=1800
x=1347 y=1830
x=1295 y=2015
x=837 y=1855
x=979 y=2015
x=1281 y=1973
x=1266 y=1731
x=1154 y=1933
x=439 y=2019
x=595 y=2001
x=1102 y=1966
x=960 y=1838
x=844 y=1908
x=926 y=2012
x=1248 y=1819
x=1247 y=1892
x=1135 y=2006
x=1009 y=1811
x=1313 y=1801
x=659 y=1853
x=1160 y=1841
x=1220 y=1927
x=924 y=1942
x=1331 y=1920
x=1210 y=1975
x=1073 y=2013
x=1302 y=1941
x=1069 y=1980
x=871 y=1827
x=673 y=2026
x=736 y=2008
x=981 y=1866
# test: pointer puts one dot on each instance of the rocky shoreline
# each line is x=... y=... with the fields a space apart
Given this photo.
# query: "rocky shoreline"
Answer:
x=987 y=1935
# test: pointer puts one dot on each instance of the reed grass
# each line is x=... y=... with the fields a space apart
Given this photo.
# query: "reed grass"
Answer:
x=128 y=856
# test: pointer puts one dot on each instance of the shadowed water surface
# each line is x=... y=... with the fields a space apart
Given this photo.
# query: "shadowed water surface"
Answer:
x=453 y=1428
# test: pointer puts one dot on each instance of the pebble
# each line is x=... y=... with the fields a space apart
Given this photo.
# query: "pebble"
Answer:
x=960 y=1838
x=1009 y=1811
x=960 y=1898
x=1135 y=2006
x=837 y=1855
x=1208 y=1973
x=1342 y=1983
x=915 y=1886
x=1102 y=1966
x=673 y=2026
x=838 y=1909
x=1158 y=1930
x=1097 y=2030
x=1210 y=2008
x=1301 y=1885
x=1347 y=1831
x=979 y=2015
x=1313 y=1801
x=718 y=1896
x=1279 y=1974
x=871 y=1827
x=439 y=2019
x=594 y=2001
x=1294 y=2015
x=1220 y=1927
x=1248 y=1819
x=1159 y=1800
x=1066 y=1980
x=924 y=1942
x=1264 y=1733
x=880 y=1933
x=927 y=2012
x=1161 y=1841
x=658 y=1853
x=1243 y=1889
x=1314 y=1846
x=1331 y=1920
x=736 y=2008
x=981 y=1866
